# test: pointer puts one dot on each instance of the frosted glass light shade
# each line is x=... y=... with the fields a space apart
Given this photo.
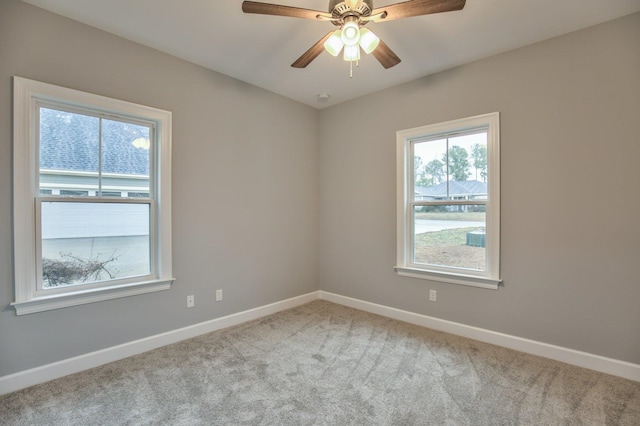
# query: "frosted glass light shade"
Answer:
x=352 y=53
x=350 y=33
x=334 y=44
x=368 y=40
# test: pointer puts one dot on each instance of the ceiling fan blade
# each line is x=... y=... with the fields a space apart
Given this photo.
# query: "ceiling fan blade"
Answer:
x=280 y=10
x=411 y=8
x=312 y=53
x=385 y=55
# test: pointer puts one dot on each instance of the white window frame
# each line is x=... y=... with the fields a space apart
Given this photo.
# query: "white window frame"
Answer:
x=27 y=98
x=490 y=278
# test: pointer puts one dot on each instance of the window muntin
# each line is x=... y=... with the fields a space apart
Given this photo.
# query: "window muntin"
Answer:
x=92 y=188
x=448 y=201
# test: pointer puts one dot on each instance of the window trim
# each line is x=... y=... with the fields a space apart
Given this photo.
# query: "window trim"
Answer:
x=27 y=94
x=490 y=278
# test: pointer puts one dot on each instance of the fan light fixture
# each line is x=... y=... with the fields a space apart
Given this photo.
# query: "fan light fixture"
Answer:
x=368 y=40
x=350 y=33
x=334 y=44
x=352 y=53
x=351 y=38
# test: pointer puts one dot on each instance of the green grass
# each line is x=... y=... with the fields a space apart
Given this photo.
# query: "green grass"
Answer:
x=448 y=237
x=472 y=216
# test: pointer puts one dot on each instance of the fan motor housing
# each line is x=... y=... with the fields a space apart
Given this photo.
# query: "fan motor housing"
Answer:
x=340 y=9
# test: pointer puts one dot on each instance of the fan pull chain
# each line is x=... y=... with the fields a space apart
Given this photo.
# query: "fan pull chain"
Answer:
x=351 y=67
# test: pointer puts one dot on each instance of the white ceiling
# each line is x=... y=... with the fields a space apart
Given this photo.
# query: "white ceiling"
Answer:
x=259 y=49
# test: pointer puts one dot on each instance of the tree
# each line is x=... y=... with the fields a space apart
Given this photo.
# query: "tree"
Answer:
x=458 y=160
x=73 y=269
x=434 y=172
x=479 y=157
x=418 y=172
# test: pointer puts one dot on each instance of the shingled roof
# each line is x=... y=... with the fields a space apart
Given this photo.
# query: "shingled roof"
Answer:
x=456 y=189
x=69 y=141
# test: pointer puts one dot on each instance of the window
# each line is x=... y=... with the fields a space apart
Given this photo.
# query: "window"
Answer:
x=92 y=198
x=449 y=201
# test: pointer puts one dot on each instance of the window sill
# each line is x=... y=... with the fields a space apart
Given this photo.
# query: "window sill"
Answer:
x=460 y=279
x=66 y=300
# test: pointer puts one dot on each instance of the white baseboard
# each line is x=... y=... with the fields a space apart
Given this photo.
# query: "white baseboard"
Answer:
x=34 y=376
x=611 y=366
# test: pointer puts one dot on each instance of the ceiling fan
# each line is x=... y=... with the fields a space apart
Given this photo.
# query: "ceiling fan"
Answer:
x=350 y=16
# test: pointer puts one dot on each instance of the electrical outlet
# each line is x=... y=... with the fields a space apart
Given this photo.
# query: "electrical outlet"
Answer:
x=191 y=301
x=218 y=295
x=433 y=295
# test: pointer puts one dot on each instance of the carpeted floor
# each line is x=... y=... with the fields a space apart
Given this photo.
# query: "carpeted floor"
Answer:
x=325 y=364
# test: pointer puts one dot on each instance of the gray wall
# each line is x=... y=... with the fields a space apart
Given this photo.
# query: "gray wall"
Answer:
x=245 y=213
x=570 y=108
x=246 y=217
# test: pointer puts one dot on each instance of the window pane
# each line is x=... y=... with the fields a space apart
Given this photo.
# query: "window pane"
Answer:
x=89 y=242
x=453 y=168
x=452 y=236
x=125 y=156
x=429 y=170
x=69 y=145
x=467 y=157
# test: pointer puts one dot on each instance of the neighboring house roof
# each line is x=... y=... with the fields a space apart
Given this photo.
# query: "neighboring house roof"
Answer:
x=69 y=141
x=456 y=189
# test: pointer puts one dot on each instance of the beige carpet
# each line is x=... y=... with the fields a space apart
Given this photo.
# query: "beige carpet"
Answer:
x=325 y=364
